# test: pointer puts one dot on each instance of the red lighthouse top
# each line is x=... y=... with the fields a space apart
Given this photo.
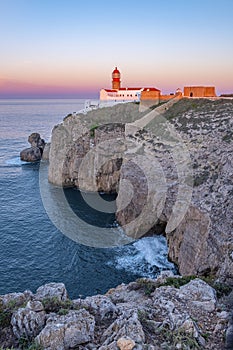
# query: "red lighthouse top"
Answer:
x=116 y=79
x=116 y=71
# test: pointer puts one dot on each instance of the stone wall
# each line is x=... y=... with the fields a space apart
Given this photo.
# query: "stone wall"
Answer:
x=199 y=91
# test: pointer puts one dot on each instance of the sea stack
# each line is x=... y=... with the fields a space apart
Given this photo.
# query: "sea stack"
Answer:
x=34 y=153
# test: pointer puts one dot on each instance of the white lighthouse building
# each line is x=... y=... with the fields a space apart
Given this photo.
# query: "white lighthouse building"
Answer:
x=118 y=93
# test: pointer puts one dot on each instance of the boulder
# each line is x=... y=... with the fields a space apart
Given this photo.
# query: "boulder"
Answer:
x=68 y=331
x=51 y=290
x=35 y=140
x=16 y=299
x=31 y=154
x=29 y=321
x=34 y=153
x=125 y=343
x=98 y=305
x=126 y=325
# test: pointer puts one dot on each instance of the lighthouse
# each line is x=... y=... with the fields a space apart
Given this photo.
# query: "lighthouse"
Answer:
x=126 y=94
x=116 y=79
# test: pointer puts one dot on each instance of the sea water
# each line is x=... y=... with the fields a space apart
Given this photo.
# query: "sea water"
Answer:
x=32 y=250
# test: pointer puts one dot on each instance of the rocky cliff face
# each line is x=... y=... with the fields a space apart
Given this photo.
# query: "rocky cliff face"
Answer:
x=167 y=313
x=78 y=137
x=176 y=171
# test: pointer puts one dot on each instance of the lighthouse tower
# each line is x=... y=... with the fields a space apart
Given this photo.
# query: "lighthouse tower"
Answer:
x=116 y=79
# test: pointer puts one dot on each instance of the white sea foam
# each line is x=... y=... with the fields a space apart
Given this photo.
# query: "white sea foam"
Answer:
x=145 y=257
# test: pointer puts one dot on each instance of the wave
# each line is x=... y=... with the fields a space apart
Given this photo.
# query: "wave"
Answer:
x=145 y=258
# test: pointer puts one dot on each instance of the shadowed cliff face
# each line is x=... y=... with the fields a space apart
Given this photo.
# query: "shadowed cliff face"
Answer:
x=148 y=169
x=93 y=161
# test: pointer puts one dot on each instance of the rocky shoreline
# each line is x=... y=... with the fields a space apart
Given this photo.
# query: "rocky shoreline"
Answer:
x=171 y=312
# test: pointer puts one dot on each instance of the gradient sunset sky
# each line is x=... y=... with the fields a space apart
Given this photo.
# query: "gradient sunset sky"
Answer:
x=68 y=48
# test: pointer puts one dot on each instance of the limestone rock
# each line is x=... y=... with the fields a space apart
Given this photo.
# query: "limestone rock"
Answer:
x=64 y=137
x=51 y=290
x=35 y=140
x=188 y=245
x=98 y=305
x=67 y=332
x=126 y=343
x=31 y=154
x=126 y=325
x=127 y=317
x=17 y=299
x=34 y=153
x=28 y=321
x=199 y=294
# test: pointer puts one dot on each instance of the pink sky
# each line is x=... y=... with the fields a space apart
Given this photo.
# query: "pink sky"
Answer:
x=56 y=48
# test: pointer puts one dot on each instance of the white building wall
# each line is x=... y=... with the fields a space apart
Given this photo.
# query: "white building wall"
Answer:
x=120 y=95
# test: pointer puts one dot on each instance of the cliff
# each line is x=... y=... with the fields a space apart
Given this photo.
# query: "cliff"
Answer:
x=172 y=168
x=167 y=313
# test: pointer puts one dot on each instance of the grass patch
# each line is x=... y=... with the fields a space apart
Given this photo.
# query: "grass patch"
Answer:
x=228 y=137
x=147 y=286
x=56 y=305
x=92 y=130
x=179 y=336
x=177 y=282
x=6 y=312
x=26 y=344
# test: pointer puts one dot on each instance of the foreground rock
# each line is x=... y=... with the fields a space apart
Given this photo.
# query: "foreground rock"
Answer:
x=67 y=332
x=146 y=314
x=34 y=153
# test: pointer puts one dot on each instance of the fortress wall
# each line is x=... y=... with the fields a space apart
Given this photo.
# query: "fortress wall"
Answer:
x=199 y=91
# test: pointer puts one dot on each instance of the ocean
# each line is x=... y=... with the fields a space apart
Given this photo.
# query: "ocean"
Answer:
x=33 y=251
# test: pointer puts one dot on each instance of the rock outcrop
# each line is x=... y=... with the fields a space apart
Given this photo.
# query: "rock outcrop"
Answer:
x=67 y=332
x=169 y=312
x=29 y=321
x=34 y=153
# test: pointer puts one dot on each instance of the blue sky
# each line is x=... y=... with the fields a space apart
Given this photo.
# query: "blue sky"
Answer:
x=69 y=48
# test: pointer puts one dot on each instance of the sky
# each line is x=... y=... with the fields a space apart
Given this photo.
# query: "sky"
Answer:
x=68 y=48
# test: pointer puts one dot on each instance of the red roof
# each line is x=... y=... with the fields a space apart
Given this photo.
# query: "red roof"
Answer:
x=150 y=89
x=116 y=71
x=129 y=88
x=110 y=90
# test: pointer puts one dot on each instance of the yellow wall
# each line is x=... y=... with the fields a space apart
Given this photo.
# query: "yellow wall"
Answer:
x=199 y=91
